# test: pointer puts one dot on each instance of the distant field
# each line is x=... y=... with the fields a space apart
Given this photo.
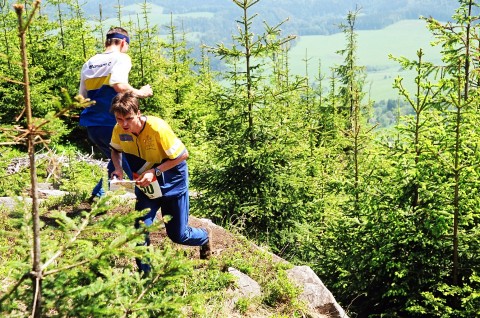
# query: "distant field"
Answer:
x=403 y=38
x=156 y=15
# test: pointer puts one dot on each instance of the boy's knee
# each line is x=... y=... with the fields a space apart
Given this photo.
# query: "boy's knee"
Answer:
x=176 y=237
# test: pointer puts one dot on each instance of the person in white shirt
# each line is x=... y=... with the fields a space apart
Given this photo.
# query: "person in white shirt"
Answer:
x=102 y=77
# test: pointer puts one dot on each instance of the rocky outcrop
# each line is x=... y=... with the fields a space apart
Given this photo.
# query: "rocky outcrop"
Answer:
x=246 y=287
x=318 y=298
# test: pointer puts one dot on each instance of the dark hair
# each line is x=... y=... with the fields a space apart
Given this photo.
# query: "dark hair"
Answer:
x=124 y=104
x=115 y=41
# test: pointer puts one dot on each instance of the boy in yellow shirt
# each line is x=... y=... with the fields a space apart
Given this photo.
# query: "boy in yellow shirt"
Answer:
x=158 y=158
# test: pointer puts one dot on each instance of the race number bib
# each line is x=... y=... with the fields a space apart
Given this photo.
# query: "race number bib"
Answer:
x=152 y=191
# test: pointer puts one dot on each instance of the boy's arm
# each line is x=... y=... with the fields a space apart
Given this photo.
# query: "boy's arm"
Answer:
x=147 y=177
x=143 y=92
x=170 y=163
x=116 y=158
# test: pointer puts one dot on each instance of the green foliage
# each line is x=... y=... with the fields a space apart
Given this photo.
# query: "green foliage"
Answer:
x=13 y=178
x=63 y=168
x=441 y=301
x=54 y=61
x=386 y=219
x=10 y=88
x=254 y=139
x=93 y=265
x=280 y=290
x=242 y=305
x=395 y=246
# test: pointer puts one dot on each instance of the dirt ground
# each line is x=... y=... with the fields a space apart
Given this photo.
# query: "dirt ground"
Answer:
x=221 y=238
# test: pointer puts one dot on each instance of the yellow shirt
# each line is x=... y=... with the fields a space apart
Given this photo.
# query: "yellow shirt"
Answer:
x=154 y=144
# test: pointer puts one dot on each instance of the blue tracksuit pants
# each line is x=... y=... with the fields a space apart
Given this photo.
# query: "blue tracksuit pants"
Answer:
x=177 y=227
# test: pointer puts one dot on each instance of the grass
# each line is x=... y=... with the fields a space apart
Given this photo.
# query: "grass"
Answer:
x=180 y=281
x=403 y=38
x=156 y=15
x=202 y=289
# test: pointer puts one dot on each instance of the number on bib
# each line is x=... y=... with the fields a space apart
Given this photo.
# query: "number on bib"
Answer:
x=153 y=190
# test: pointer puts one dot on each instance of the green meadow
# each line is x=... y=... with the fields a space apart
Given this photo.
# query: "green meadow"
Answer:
x=403 y=38
x=157 y=15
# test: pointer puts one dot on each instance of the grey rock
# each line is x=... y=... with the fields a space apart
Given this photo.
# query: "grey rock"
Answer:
x=317 y=297
x=246 y=286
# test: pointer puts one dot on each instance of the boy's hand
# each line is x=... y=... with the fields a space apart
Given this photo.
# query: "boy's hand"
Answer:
x=146 y=178
x=146 y=91
x=117 y=174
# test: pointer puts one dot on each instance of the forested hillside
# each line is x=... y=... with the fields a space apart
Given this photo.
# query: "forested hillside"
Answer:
x=388 y=219
x=212 y=21
x=306 y=17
